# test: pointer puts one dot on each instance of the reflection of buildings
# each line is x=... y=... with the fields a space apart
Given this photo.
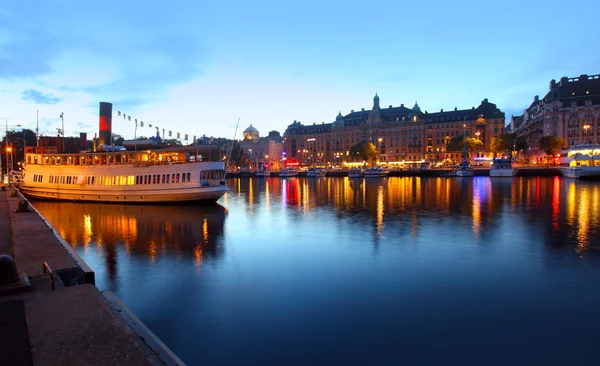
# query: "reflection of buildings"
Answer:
x=265 y=150
x=143 y=231
x=562 y=213
x=399 y=133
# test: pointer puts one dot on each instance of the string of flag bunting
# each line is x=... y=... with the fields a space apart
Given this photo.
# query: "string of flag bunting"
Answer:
x=140 y=123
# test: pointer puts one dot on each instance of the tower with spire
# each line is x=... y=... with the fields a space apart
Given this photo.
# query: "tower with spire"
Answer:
x=376 y=102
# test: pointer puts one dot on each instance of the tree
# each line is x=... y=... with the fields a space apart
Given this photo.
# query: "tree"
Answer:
x=521 y=143
x=456 y=144
x=117 y=139
x=172 y=142
x=502 y=143
x=365 y=150
x=551 y=145
x=474 y=144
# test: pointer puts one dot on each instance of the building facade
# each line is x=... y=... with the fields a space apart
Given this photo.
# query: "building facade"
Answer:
x=400 y=134
x=262 y=150
x=570 y=110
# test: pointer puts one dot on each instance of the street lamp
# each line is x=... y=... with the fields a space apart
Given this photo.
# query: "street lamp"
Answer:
x=586 y=128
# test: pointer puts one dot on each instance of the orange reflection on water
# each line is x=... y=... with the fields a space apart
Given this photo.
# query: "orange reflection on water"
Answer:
x=198 y=256
x=476 y=211
x=571 y=195
x=584 y=221
x=267 y=195
x=379 y=210
x=555 y=202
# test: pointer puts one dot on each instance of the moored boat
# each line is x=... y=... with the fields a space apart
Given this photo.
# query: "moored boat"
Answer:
x=356 y=173
x=502 y=168
x=465 y=169
x=159 y=175
x=376 y=172
x=288 y=172
x=580 y=161
x=316 y=172
x=263 y=172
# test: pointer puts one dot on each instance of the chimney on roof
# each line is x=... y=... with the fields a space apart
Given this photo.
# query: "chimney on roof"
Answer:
x=402 y=105
x=314 y=123
x=362 y=109
x=536 y=98
x=322 y=123
x=552 y=84
x=455 y=109
x=442 y=110
x=352 y=111
x=583 y=77
x=390 y=106
x=564 y=80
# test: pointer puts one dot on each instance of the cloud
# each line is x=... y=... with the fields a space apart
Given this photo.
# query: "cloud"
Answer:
x=83 y=126
x=38 y=97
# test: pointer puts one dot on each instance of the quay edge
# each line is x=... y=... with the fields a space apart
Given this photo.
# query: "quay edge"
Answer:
x=70 y=320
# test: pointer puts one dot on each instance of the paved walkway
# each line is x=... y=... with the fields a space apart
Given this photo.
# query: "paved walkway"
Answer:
x=68 y=326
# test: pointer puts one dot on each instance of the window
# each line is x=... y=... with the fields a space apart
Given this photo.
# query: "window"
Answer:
x=163 y=179
x=188 y=177
x=177 y=179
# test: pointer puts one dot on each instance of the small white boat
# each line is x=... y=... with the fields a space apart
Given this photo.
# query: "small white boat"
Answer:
x=376 y=172
x=356 y=173
x=262 y=172
x=288 y=172
x=465 y=169
x=316 y=172
x=502 y=168
x=581 y=161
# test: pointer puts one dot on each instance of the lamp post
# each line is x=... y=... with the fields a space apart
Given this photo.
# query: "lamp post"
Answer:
x=586 y=128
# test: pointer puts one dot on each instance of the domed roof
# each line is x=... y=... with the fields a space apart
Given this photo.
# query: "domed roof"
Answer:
x=250 y=129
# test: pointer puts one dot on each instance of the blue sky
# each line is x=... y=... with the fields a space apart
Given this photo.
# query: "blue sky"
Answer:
x=196 y=67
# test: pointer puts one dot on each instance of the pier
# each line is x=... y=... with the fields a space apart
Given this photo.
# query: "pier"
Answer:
x=54 y=314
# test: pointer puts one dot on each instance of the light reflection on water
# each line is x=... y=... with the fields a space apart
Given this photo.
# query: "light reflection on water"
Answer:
x=341 y=271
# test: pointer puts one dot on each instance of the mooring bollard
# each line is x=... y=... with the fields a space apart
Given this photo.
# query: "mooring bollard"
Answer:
x=8 y=270
x=23 y=206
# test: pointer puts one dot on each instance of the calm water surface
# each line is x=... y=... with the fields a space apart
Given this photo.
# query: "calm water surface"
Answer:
x=337 y=271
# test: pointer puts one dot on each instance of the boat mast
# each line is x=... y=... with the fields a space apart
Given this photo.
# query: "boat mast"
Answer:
x=231 y=147
x=465 y=138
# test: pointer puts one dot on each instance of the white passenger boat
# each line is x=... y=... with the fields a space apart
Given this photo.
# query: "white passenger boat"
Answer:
x=263 y=172
x=316 y=172
x=288 y=172
x=190 y=173
x=465 y=169
x=376 y=172
x=502 y=168
x=356 y=173
x=580 y=161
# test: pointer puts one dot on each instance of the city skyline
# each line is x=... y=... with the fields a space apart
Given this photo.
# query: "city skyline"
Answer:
x=271 y=64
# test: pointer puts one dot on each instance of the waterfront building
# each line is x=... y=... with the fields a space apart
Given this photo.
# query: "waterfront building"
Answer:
x=570 y=110
x=400 y=134
x=262 y=150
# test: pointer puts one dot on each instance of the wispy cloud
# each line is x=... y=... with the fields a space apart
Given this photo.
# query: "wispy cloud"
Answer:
x=38 y=97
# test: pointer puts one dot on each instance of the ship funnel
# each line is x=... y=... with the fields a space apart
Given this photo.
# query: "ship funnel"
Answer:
x=105 y=135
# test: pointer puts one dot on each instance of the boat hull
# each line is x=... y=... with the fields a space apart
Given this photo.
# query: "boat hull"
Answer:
x=502 y=173
x=580 y=172
x=263 y=174
x=199 y=194
x=464 y=173
x=376 y=175
x=355 y=175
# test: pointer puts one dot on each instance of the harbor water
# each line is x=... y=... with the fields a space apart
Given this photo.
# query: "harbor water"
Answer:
x=323 y=271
